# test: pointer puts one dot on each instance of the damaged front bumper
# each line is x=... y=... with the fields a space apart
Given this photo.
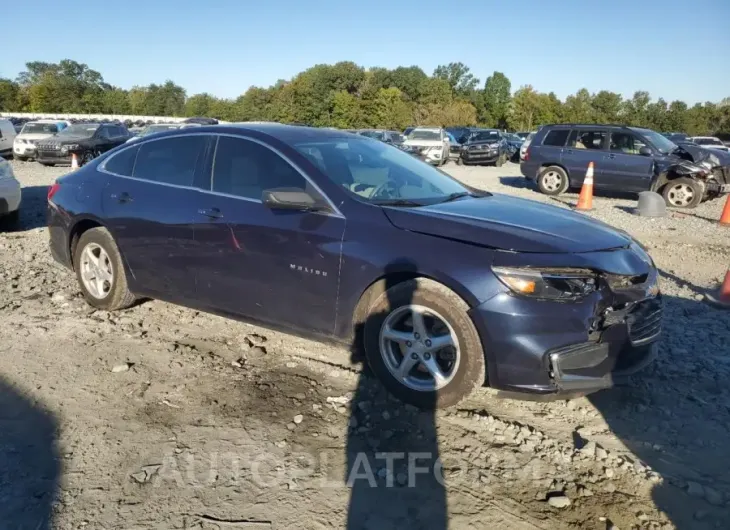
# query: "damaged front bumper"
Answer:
x=550 y=346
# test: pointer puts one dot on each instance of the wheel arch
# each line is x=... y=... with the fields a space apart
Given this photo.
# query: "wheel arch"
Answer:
x=389 y=279
x=554 y=164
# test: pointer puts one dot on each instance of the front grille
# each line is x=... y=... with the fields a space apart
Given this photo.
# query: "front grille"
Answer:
x=645 y=322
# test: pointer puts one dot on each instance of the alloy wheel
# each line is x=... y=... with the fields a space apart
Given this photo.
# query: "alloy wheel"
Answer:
x=419 y=348
x=680 y=195
x=552 y=181
x=96 y=271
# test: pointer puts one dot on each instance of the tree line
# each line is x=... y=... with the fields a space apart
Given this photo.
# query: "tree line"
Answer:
x=346 y=95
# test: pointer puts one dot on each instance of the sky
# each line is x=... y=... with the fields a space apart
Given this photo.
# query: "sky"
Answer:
x=673 y=49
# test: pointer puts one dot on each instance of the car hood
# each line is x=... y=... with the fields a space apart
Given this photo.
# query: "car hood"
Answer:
x=509 y=223
x=483 y=143
x=33 y=136
x=424 y=143
x=68 y=139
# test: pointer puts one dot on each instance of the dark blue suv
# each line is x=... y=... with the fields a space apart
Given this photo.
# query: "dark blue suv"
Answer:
x=325 y=233
x=626 y=159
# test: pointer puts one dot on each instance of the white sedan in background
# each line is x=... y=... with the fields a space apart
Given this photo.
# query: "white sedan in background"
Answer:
x=710 y=142
x=9 y=194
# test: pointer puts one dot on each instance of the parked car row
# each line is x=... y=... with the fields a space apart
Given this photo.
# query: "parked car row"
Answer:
x=626 y=159
x=330 y=234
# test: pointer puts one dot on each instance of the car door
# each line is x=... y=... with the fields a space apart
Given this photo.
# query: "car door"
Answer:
x=103 y=139
x=275 y=266
x=585 y=145
x=625 y=169
x=150 y=205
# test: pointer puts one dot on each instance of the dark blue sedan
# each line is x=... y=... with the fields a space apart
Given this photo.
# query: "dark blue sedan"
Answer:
x=325 y=233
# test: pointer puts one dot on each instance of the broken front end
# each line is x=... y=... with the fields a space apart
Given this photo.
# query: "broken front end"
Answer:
x=608 y=330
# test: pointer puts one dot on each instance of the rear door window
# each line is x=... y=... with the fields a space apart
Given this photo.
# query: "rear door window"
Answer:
x=122 y=163
x=171 y=160
x=556 y=137
x=590 y=139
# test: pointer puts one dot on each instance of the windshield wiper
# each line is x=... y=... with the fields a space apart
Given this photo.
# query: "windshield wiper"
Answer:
x=457 y=195
x=397 y=202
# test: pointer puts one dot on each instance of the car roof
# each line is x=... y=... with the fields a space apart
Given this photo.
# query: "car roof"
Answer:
x=290 y=134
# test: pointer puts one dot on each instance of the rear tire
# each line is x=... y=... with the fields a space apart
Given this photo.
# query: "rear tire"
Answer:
x=683 y=193
x=552 y=180
x=461 y=365
x=459 y=161
x=112 y=293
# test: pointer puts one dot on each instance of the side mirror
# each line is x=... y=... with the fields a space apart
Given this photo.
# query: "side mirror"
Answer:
x=645 y=151
x=291 y=199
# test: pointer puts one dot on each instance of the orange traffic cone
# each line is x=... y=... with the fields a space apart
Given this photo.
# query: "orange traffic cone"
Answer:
x=722 y=298
x=74 y=161
x=585 y=199
x=725 y=217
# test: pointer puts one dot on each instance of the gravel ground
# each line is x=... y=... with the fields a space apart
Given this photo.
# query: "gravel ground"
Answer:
x=164 y=417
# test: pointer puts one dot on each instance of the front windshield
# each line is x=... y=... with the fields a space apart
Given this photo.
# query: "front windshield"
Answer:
x=39 y=128
x=661 y=142
x=484 y=136
x=379 y=173
x=152 y=129
x=424 y=134
x=80 y=129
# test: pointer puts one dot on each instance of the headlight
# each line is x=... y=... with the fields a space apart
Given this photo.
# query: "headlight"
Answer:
x=549 y=284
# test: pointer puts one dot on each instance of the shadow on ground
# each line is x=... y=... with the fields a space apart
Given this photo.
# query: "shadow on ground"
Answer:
x=675 y=415
x=32 y=210
x=393 y=464
x=29 y=462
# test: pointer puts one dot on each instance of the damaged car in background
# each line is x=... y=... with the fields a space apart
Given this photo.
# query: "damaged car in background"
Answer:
x=85 y=140
x=625 y=159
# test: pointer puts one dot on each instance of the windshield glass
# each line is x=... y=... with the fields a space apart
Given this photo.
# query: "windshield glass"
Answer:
x=372 y=134
x=152 y=129
x=663 y=144
x=80 y=129
x=707 y=141
x=39 y=128
x=377 y=172
x=484 y=136
x=424 y=134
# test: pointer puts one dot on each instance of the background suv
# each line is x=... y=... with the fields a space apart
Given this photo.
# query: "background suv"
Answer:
x=626 y=159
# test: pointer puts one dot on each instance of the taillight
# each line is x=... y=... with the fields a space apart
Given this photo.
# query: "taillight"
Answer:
x=527 y=154
x=53 y=189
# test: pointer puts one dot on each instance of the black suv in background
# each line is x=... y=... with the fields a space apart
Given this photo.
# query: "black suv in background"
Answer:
x=389 y=137
x=484 y=146
x=626 y=159
x=85 y=140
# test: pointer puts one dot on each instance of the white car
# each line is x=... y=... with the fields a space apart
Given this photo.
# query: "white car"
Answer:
x=433 y=142
x=9 y=194
x=7 y=135
x=710 y=142
x=161 y=127
x=24 y=146
x=525 y=145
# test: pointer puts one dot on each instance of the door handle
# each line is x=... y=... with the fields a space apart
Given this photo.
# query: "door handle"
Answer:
x=122 y=197
x=569 y=151
x=213 y=213
x=611 y=156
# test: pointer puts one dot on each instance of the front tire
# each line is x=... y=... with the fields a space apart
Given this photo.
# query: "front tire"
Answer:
x=552 y=180
x=683 y=193
x=423 y=346
x=100 y=271
x=500 y=161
